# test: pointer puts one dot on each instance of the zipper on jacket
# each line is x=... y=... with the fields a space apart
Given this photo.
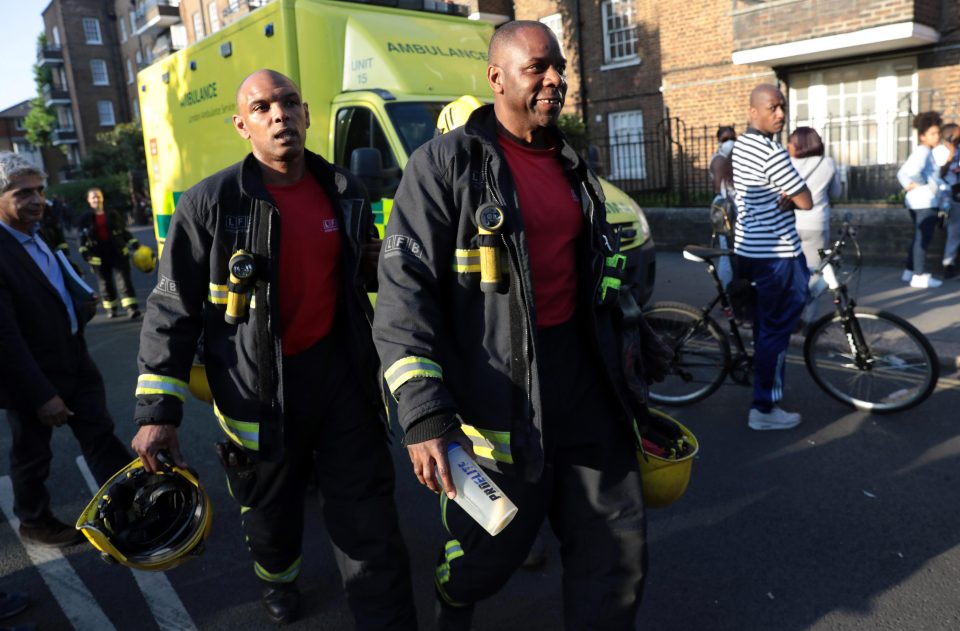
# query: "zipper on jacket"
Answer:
x=516 y=272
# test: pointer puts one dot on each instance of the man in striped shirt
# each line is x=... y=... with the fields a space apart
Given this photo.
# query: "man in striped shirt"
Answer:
x=768 y=189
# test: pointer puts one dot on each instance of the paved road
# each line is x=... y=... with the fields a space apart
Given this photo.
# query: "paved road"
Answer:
x=847 y=522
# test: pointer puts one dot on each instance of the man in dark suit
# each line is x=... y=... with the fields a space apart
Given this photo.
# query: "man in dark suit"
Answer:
x=47 y=378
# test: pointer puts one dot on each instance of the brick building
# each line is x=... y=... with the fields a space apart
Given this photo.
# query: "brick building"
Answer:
x=13 y=137
x=86 y=90
x=855 y=70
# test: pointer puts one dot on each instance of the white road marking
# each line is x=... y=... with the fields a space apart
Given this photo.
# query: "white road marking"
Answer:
x=163 y=601
x=76 y=601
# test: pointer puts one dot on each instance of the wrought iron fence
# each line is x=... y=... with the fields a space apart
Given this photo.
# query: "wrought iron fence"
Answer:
x=669 y=164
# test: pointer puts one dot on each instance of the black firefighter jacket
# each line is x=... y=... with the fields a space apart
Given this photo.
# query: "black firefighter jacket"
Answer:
x=119 y=246
x=446 y=346
x=228 y=211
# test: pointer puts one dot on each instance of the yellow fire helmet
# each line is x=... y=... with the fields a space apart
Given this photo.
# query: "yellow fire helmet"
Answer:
x=144 y=259
x=665 y=478
x=149 y=521
x=199 y=386
x=456 y=113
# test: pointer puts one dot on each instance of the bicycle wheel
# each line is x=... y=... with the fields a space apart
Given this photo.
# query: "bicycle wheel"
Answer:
x=701 y=353
x=901 y=371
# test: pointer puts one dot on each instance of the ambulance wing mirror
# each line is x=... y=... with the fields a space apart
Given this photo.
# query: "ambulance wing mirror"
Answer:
x=367 y=164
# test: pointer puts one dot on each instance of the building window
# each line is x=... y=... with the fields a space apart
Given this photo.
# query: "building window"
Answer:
x=214 y=17
x=627 y=159
x=131 y=75
x=18 y=124
x=105 y=112
x=863 y=112
x=56 y=36
x=136 y=109
x=64 y=119
x=178 y=37
x=198 y=32
x=555 y=23
x=123 y=30
x=98 y=69
x=619 y=32
x=91 y=31
x=234 y=6
x=133 y=24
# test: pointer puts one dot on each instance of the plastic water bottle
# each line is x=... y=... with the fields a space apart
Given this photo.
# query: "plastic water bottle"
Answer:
x=477 y=495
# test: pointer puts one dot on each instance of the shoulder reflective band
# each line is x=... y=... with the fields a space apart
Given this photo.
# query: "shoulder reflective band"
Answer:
x=403 y=370
x=158 y=384
x=489 y=444
x=466 y=261
x=283 y=576
x=218 y=294
x=243 y=433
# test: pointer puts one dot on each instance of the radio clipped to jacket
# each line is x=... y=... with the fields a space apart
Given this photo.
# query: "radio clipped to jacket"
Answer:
x=242 y=270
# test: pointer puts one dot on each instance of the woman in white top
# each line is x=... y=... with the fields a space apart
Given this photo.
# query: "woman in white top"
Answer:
x=813 y=226
x=823 y=180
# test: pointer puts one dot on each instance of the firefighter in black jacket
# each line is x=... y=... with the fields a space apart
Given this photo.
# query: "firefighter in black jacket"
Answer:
x=106 y=244
x=268 y=260
x=524 y=364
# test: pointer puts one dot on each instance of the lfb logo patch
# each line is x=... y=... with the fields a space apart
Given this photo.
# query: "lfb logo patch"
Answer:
x=238 y=223
x=330 y=225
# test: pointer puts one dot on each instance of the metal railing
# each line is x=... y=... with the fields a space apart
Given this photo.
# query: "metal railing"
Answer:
x=669 y=164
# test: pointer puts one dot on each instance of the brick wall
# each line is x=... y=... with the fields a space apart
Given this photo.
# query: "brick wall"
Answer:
x=783 y=21
x=701 y=85
x=939 y=70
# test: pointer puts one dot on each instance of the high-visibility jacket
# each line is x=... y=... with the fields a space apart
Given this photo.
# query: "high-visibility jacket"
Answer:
x=228 y=211
x=448 y=347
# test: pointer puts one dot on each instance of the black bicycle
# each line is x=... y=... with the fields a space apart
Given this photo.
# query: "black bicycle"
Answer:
x=868 y=359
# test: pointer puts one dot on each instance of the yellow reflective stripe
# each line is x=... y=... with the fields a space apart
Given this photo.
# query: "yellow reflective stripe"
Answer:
x=127 y=302
x=244 y=433
x=453 y=550
x=405 y=369
x=284 y=576
x=253 y=301
x=489 y=444
x=466 y=261
x=617 y=261
x=63 y=246
x=158 y=384
x=218 y=294
x=110 y=304
x=95 y=260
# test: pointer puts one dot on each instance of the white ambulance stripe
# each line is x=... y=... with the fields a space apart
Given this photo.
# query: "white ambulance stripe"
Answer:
x=157 y=590
x=76 y=601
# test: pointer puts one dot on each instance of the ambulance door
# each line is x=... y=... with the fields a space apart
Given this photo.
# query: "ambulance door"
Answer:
x=358 y=127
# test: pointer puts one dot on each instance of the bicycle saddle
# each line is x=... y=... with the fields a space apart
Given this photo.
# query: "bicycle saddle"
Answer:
x=701 y=254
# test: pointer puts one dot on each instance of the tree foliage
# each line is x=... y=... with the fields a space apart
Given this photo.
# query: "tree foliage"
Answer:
x=119 y=150
x=575 y=130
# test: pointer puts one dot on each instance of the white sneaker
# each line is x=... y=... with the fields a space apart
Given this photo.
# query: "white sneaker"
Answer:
x=776 y=418
x=907 y=276
x=924 y=281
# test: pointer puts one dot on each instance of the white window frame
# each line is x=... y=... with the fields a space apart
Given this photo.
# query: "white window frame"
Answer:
x=65 y=119
x=213 y=17
x=133 y=23
x=623 y=10
x=136 y=109
x=106 y=114
x=887 y=108
x=131 y=74
x=628 y=159
x=55 y=32
x=123 y=30
x=19 y=124
x=198 y=30
x=99 y=74
x=91 y=31
x=554 y=22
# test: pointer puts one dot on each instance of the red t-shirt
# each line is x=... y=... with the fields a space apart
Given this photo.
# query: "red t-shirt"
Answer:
x=552 y=221
x=309 y=263
x=100 y=225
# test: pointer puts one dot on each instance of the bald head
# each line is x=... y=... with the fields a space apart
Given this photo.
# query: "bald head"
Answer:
x=767 y=109
x=256 y=77
x=505 y=36
x=762 y=93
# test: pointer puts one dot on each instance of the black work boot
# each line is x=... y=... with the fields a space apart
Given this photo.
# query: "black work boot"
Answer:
x=450 y=618
x=50 y=532
x=133 y=313
x=282 y=601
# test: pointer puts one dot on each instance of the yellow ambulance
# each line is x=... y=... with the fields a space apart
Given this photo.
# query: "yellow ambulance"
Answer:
x=374 y=77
